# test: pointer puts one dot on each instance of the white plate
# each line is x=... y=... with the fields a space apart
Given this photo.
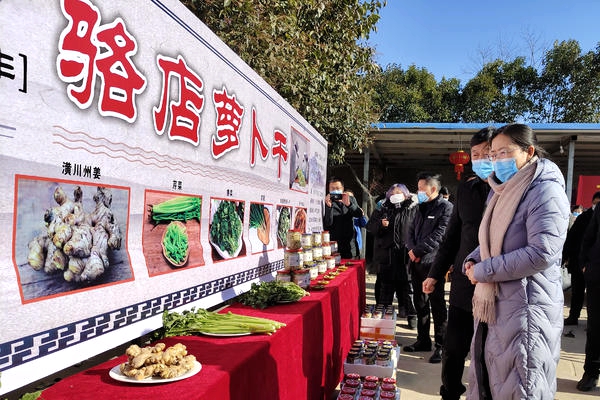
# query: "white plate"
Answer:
x=117 y=375
x=226 y=334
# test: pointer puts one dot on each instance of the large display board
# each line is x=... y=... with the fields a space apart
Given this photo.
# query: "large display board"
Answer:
x=110 y=109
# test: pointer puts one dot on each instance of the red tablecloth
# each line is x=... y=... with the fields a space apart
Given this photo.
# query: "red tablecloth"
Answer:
x=303 y=360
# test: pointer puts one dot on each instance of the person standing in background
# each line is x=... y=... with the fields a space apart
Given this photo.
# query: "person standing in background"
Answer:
x=518 y=297
x=460 y=240
x=590 y=261
x=571 y=253
x=424 y=237
x=388 y=259
x=340 y=210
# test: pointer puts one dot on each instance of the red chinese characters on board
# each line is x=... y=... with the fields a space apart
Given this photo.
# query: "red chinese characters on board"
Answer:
x=280 y=150
x=257 y=139
x=87 y=50
x=228 y=121
x=185 y=111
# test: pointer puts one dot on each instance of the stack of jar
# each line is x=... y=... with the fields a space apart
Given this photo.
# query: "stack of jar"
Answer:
x=367 y=352
x=370 y=387
x=306 y=256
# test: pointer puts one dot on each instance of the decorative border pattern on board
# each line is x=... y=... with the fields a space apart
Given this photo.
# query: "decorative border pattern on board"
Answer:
x=35 y=346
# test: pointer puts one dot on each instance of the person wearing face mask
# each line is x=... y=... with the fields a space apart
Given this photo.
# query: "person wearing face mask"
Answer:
x=570 y=255
x=339 y=212
x=460 y=239
x=518 y=297
x=425 y=234
x=385 y=224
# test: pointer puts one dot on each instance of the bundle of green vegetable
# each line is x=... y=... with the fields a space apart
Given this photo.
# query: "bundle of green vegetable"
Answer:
x=177 y=209
x=226 y=227
x=202 y=321
x=266 y=294
x=175 y=243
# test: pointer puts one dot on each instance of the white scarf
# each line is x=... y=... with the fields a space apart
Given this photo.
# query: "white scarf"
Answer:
x=497 y=217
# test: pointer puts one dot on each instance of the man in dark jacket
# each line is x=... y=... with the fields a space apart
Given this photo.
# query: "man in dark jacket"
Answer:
x=571 y=250
x=461 y=238
x=340 y=209
x=590 y=262
x=424 y=237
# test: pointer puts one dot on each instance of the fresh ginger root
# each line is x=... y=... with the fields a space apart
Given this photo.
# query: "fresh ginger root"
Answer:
x=158 y=361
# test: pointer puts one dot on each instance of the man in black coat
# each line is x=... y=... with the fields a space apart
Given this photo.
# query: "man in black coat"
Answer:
x=590 y=262
x=571 y=250
x=461 y=238
x=340 y=210
x=424 y=237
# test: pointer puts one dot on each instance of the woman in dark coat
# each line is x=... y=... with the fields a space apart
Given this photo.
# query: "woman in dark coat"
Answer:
x=387 y=226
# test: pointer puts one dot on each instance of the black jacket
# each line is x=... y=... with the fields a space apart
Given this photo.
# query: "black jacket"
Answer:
x=590 y=250
x=383 y=237
x=427 y=230
x=338 y=220
x=572 y=246
x=460 y=239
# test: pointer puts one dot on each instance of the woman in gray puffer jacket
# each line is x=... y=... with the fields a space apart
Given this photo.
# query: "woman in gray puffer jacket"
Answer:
x=518 y=300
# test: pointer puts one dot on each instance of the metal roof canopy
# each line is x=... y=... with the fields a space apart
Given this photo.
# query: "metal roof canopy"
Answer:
x=426 y=146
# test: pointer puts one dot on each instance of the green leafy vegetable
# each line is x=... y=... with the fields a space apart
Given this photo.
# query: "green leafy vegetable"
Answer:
x=175 y=243
x=177 y=209
x=264 y=294
x=283 y=225
x=257 y=216
x=226 y=227
x=202 y=321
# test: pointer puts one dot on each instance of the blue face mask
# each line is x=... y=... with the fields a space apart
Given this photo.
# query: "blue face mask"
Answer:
x=336 y=192
x=483 y=168
x=422 y=196
x=505 y=168
x=576 y=214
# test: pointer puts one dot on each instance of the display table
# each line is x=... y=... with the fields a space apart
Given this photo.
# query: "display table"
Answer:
x=303 y=360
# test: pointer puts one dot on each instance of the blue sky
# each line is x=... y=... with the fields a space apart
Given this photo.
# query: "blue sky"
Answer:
x=451 y=37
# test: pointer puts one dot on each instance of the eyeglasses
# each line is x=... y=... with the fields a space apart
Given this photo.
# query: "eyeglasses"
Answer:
x=500 y=154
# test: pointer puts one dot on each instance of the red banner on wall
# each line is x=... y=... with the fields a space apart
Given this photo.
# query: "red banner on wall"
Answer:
x=587 y=186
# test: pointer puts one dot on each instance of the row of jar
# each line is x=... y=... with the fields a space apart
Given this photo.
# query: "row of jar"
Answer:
x=303 y=276
x=296 y=258
x=297 y=239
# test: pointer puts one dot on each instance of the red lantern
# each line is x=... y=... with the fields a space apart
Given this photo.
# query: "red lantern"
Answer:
x=459 y=159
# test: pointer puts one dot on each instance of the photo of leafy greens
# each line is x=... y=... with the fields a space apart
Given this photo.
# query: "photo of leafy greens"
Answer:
x=260 y=219
x=226 y=228
x=283 y=225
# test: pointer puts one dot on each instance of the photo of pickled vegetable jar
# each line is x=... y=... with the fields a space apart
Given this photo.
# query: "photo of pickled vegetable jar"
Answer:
x=171 y=232
x=69 y=236
x=225 y=233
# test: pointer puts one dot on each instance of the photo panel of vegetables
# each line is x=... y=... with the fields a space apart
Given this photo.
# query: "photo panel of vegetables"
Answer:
x=171 y=232
x=299 y=172
x=69 y=236
x=259 y=231
x=225 y=233
x=300 y=219
x=284 y=224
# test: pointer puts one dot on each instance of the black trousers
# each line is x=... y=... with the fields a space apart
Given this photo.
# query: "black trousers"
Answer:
x=394 y=279
x=459 y=332
x=592 y=344
x=577 y=292
x=428 y=305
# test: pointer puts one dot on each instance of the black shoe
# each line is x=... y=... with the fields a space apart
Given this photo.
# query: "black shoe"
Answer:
x=588 y=382
x=571 y=321
x=417 y=346
x=436 y=357
x=412 y=322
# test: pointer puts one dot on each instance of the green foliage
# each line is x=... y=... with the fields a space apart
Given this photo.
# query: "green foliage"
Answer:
x=311 y=52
